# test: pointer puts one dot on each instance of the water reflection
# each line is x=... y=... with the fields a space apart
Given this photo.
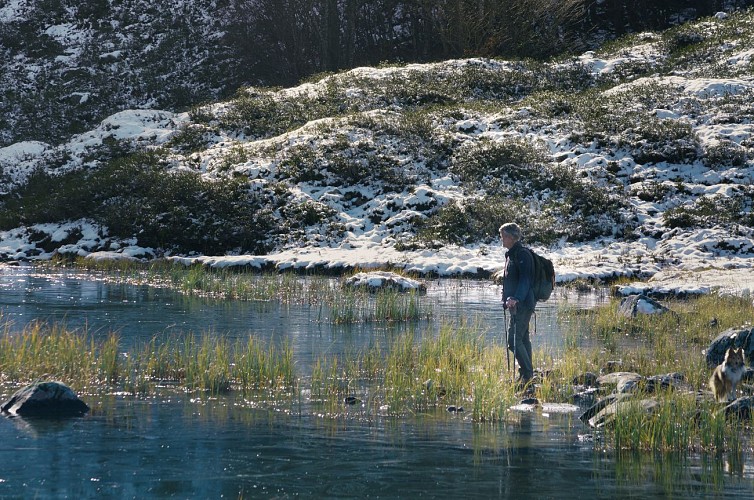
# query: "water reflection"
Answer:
x=178 y=445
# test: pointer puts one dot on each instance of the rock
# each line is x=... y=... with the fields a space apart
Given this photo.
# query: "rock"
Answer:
x=636 y=304
x=732 y=337
x=600 y=405
x=607 y=414
x=673 y=380
x=623 y=381
x=562 y=408
x=587 y=397
x=45 y=399
x=740 y=408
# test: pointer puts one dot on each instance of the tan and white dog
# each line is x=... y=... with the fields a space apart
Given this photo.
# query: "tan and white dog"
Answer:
x=727 y=375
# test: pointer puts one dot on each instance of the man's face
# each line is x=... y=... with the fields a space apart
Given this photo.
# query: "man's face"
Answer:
x=508 y=240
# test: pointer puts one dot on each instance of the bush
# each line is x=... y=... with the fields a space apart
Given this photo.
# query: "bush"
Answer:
x=725 y=154
x=478 y=221
x=137 y=196
x=499 y=166
x=709 y=211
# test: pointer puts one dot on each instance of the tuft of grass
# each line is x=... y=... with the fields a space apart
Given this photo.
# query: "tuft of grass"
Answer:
x=208 y=363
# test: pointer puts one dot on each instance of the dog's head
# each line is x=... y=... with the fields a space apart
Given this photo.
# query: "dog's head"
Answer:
x=734 y=357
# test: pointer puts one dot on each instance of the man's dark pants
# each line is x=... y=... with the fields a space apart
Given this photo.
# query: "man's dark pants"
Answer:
x=519 y=325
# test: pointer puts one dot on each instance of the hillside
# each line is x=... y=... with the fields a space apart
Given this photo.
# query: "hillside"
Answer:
x=626 y=161
x=65 y=65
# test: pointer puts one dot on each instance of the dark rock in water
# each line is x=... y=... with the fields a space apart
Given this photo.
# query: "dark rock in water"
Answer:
x=455 y=409
x=587 y=397
x=732 y=337
x=351 y=400
x=45 y=399
x=601 y=405
x=634 y=305
x=529 y=401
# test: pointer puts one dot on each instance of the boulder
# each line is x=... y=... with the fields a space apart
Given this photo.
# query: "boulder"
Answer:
x=739 y=408
x=601 y=405
x=607 y=414
x=636 y=304
x=732 y=337
x=587 y=397
x=45 y=399
x=623 y=381
x=673 y=380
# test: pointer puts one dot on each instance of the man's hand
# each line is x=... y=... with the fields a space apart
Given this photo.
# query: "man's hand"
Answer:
x=510 y=304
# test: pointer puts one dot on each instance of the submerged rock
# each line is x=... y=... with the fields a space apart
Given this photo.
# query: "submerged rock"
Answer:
x=45 y=399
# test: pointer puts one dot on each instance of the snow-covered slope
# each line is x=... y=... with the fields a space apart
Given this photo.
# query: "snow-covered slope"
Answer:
x=661 y=126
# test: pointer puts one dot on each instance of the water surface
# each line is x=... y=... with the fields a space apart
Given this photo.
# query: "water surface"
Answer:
x=181 y=446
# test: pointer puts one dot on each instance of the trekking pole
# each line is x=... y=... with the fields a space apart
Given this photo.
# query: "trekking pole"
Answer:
x=505 y=331
x=534 y=332
x=515 y=348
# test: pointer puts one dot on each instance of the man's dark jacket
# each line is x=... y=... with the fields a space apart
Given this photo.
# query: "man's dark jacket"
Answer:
x=519 y=276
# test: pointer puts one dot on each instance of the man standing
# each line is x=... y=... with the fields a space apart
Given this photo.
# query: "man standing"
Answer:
x=518 y=298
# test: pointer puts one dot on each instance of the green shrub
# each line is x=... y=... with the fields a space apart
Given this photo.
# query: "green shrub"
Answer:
x=651 y=191
x=137 y=196
x=478 y=219
x=725 y=154
x=265 y=113
x=497 y=165
x=623 y=120
x=300 y=165
x=709 y=211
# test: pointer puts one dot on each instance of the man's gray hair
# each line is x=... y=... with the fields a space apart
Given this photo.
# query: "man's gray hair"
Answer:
x=512 y=229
